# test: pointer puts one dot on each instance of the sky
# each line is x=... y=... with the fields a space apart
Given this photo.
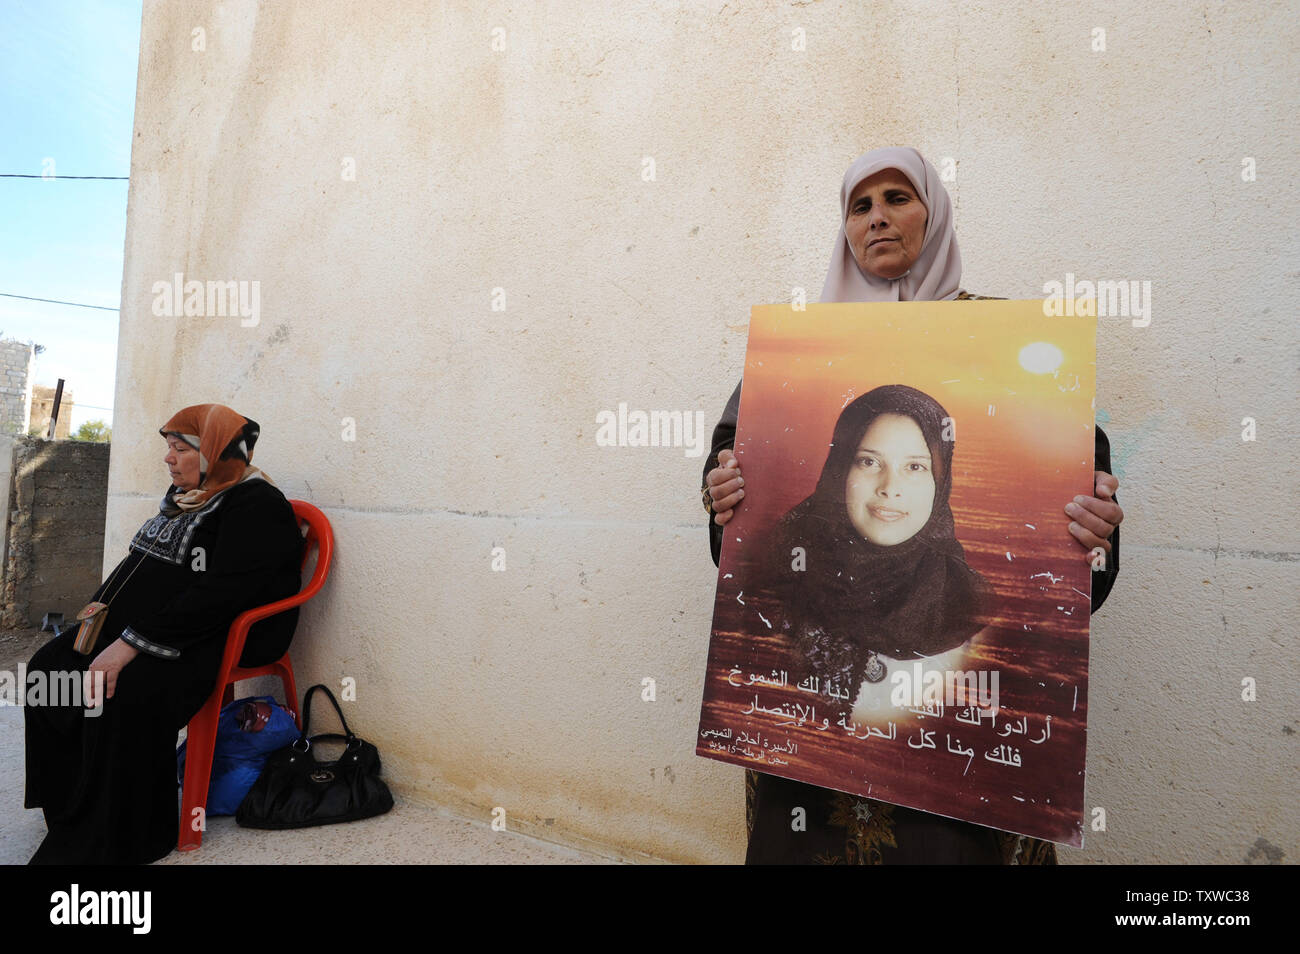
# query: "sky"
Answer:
x=67 y=93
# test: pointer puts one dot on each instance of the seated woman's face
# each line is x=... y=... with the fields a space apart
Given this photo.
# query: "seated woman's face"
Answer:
x=182 y=462
x=889 y=492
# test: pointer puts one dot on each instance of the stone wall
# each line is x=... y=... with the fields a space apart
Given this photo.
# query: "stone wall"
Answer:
x=55 y=540
x=16 y=360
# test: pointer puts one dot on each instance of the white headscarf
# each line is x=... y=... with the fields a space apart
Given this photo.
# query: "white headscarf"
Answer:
x=936 y=274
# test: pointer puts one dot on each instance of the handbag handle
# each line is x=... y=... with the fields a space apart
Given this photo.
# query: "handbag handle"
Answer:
x=306 y=711
x=304 y=744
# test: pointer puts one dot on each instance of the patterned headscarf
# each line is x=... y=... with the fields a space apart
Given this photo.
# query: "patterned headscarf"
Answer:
x=224 y=440
x=936 y=273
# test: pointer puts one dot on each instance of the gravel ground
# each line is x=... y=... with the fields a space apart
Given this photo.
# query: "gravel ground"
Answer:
x=18 y=645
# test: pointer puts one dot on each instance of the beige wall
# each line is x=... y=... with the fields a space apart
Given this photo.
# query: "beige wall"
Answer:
x=522 y=170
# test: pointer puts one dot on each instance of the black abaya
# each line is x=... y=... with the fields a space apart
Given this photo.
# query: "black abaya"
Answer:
x=108 y=783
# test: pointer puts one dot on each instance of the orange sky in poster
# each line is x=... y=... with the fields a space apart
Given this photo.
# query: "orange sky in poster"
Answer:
x=802 y=367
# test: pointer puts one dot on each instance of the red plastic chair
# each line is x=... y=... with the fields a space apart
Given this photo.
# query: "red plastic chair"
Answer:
x=201 y=737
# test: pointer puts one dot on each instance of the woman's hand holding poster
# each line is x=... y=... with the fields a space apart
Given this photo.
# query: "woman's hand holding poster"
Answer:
x=901 y=611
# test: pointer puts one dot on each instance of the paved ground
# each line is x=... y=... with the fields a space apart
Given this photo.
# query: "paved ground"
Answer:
x=409 y=834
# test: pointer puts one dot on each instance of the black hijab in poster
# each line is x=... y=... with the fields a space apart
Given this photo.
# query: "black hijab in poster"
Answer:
x=850 y=605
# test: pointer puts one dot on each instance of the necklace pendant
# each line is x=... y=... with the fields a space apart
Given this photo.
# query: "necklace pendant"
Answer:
x=876 y=670
x=89 y=610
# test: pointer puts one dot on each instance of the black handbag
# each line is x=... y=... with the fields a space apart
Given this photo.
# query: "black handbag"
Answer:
x=296 y=791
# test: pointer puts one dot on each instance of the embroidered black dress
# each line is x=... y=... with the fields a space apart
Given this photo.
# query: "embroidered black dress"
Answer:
x=848 y=829
x=108 y=783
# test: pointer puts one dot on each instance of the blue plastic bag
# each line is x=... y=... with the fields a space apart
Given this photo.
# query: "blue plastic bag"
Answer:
x=239 y=756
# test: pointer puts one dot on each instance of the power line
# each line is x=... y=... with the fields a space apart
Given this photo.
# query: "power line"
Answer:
x=24 y=175
x=77 y=405
x=55 y=301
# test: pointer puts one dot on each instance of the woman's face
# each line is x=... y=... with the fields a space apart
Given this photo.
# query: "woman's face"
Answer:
x=182 y=461
x=886 y=224
x=889 y=492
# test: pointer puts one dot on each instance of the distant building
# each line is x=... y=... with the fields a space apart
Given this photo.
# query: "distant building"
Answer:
x=43 y=407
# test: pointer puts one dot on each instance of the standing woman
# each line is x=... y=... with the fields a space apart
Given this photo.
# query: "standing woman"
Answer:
x=896 y=243
x=224 y=540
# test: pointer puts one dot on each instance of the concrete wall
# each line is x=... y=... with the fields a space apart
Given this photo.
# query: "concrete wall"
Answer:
x=55 y=538
x=388 y=178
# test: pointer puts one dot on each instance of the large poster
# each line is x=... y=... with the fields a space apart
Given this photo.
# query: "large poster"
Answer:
x=901 y=612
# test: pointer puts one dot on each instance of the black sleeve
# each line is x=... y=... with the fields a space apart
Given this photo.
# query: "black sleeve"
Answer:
x=256 y=539
x=724 y=437
x=1104 y=580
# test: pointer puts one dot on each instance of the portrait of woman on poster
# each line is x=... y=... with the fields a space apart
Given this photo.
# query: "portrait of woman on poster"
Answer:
x=896 y=242
x=867 y=571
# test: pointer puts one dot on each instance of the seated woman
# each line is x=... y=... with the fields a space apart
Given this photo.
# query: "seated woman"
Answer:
x=224 y=540
x=880 y=579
